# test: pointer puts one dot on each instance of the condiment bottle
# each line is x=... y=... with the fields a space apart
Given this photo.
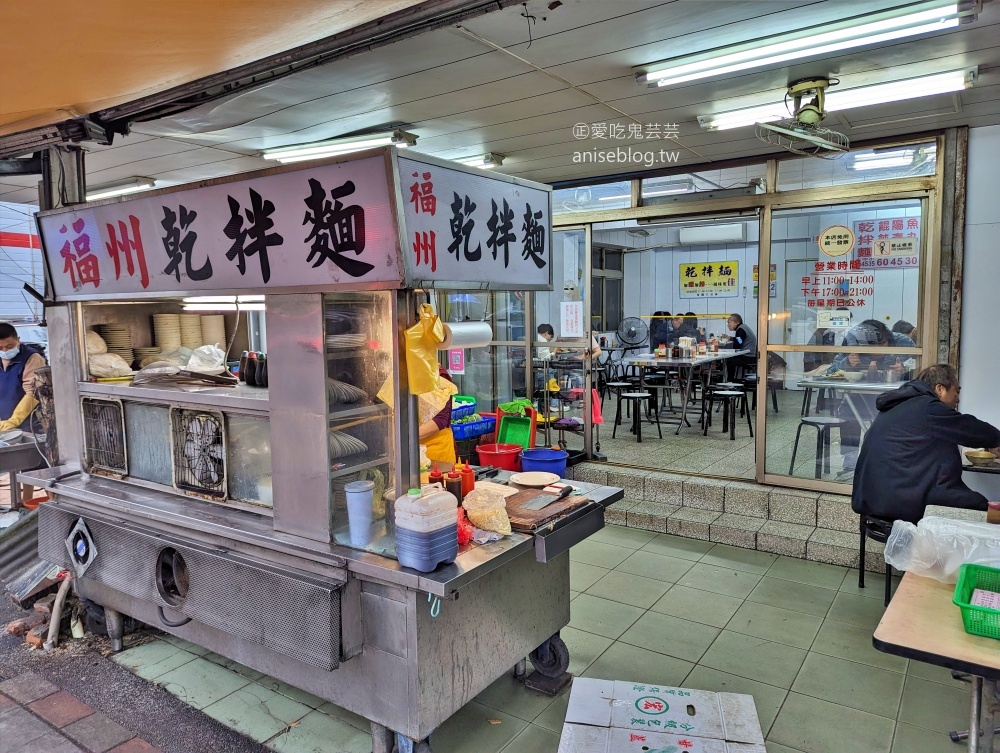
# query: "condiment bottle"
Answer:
x=468 y=479
x=262 y=370
x=243 y=367
x=251 y=369
x=435 y=477
x=873 y=372
x=453 y=483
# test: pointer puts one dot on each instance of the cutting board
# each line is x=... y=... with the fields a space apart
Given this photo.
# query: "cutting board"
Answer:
x=529 y=520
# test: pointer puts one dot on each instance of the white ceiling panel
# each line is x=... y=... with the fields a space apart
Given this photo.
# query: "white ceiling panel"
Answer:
x=463 y=98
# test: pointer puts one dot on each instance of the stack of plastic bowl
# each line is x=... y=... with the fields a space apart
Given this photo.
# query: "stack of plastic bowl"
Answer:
x=426 y=528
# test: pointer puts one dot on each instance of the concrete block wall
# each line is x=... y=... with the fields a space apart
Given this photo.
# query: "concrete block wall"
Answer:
x=803 y=524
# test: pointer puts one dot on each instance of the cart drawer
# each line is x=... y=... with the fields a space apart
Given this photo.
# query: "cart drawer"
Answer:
x=292 y=613
x=557 y=537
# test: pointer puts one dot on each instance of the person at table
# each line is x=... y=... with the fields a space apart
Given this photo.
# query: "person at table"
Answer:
x=910 y=456
x=684 y=325
x=823 y=336
x=660 y=330
x=742 y=338
x=17 y=386
x=872 y=332
x=547 y=333
x=903 y=327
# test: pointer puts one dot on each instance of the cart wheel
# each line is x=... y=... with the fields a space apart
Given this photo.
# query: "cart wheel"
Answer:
x=551 y=658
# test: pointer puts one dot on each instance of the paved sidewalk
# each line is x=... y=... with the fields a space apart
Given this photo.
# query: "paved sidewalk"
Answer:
x=36 y=715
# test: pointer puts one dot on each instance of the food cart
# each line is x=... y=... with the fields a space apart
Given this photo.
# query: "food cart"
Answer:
x=217 y=513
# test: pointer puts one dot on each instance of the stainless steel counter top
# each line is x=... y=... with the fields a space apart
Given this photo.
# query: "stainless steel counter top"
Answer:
x=252 y=533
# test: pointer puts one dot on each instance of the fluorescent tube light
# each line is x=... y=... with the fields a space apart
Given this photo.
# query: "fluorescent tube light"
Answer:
x=223 y=307
x=879 y=164
x=487 y=162
x=333 y=147
x=120 y=188
x=875 y=28
x=224 y=299
x=664 y=190
x=848 y=99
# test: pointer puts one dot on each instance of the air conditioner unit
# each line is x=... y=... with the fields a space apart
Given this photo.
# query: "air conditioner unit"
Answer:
x=693 y=236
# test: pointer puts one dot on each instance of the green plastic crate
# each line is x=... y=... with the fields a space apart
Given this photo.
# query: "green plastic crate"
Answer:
x=978 y=620
x=514 y=430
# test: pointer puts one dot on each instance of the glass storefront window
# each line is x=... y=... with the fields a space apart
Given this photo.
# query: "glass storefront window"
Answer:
x=841 y=328
x=859 y=166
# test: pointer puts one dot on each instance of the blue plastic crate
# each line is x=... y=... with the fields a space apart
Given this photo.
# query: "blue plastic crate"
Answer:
x=462 y=406
x=473 y=429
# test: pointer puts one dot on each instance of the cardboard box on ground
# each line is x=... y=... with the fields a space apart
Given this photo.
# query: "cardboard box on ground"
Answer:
x=606 y=716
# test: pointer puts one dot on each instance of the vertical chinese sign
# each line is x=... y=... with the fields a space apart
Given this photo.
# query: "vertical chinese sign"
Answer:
x=470 y=228
x=711 y=279
x=321 y=226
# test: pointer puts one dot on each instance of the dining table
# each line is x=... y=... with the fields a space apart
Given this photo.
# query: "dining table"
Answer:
x=851 y=390
x=687 y=366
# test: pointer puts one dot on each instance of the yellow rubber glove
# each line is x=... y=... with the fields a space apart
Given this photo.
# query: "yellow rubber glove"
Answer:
x=21 y=412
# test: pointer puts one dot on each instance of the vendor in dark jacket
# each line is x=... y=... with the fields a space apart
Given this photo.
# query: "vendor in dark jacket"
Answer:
x=910 y=457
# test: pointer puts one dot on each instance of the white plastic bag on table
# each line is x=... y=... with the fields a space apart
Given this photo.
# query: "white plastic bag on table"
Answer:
x=938 y=547
x=487 y=510
x=207 y=359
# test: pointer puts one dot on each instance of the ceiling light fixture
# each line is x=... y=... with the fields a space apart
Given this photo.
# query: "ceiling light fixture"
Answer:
x=487 y=162
x=664 y=189
x=334 y=147
x=875 y=28
x=120 y=188
x=848 y=99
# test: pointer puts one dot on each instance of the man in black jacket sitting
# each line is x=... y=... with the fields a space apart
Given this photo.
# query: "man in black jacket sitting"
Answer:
x=910 y=456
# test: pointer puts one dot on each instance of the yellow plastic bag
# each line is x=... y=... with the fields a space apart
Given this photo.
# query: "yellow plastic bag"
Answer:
x=421 y=351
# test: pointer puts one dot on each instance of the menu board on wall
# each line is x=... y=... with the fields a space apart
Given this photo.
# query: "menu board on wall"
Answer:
x=772 y=287
x=888 y=243
x=472 y=227
x=321 y=226
x=711 y=279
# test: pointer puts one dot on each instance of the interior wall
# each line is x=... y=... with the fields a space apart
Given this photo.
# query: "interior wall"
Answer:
x=981 y=280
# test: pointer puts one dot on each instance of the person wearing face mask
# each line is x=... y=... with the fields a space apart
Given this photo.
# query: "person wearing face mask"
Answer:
x=910 y=456
x=17 y=380
x=17 y=385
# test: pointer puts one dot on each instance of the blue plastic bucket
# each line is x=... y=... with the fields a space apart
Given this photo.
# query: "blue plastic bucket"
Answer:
x=544 y=459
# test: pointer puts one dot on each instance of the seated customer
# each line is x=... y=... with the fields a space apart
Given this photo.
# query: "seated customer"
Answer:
x=872 y=332
x=743 y=339
x=910 y=456
x=660 y=329
x=868 y=332
x=903 y=327
x=684 y=325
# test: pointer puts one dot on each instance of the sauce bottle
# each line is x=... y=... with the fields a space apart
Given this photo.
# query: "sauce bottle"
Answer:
x=262 y=370
x=251 y=369
x=243 y=367
x=453 y=483
x=435 y=477
x=468 y=479
x=873 y=372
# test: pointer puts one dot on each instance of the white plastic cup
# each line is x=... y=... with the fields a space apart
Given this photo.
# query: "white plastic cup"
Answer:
x=360 y=500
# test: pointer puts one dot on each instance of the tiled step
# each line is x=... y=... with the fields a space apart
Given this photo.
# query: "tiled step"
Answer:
x=793 y=522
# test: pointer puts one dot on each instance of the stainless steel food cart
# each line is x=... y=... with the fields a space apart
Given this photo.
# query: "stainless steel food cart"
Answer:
x=218 y=513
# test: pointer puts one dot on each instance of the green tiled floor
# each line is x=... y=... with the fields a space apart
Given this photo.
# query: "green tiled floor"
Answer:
x=649 y=608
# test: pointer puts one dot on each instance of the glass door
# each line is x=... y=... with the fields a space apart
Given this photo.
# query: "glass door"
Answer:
x=841 y=330
x=561 y=362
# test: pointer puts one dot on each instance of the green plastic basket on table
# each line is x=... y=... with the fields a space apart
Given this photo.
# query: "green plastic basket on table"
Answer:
x=978 y=620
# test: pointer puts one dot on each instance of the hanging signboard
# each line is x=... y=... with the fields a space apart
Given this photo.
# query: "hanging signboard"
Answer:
x=888 y=243
x=836 y=240
x=472 y=229
x=713 y=279
x=321 y=226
